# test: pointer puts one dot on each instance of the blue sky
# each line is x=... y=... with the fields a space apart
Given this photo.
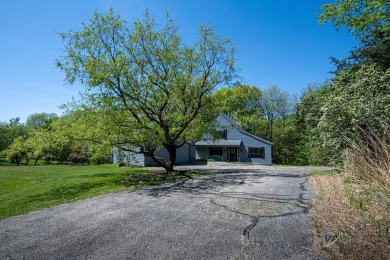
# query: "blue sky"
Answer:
x=279 y=43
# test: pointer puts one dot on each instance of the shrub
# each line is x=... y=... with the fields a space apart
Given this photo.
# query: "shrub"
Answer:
x=78 y=159
x=357 y=105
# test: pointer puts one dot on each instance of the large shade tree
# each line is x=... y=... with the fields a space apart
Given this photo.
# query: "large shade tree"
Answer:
x=151 y=89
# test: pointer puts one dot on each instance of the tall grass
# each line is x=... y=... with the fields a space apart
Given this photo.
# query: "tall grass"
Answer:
x=367 y=185
x=368 y=164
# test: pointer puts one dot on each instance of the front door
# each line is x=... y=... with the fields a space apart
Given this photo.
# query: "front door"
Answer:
x=232 y=154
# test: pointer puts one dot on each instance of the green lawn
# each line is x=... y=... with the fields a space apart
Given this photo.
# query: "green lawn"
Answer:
x=27 y=188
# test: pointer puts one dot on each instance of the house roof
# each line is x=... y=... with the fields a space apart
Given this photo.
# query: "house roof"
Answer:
x=220 y=142
x=234 y=123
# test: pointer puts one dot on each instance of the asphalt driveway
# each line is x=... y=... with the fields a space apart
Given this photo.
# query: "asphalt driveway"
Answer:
x=239 y=212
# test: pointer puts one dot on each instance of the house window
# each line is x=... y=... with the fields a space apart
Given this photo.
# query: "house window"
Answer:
x=222 y=134
x=256 y=152
x=215 y=150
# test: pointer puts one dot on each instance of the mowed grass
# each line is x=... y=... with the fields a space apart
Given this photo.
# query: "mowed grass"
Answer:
x=27 y=188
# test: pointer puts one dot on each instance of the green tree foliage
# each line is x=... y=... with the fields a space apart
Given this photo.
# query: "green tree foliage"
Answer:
x=312 y=99
x=10 y=131
x=278 y=107
x=55 y=141
x=287 y=147
x=18 y=150
x=307 y=117
x=149 y=88
x=333 y=115
x=369 y=21
x=362 y=17
x=40 y=144
x=276 y=104
x=373 y=50
x=61 y=142
x=100 y=154
x=38 y=120
x=37 y=143
x=77 y=136
x=360 y=101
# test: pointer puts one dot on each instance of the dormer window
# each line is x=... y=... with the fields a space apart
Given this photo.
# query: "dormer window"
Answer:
x=222 y=134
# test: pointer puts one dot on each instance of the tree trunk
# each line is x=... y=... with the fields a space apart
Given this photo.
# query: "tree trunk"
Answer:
x=171 y=148
x=168 y=166
x=18 y=160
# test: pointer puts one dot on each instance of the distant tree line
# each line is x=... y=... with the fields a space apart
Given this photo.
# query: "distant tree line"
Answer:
x=43 y=137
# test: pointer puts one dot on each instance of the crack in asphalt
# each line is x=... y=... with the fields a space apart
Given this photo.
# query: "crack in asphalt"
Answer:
x=301 y=199
x=200 y=186
x=255 y=219
x=246 y=231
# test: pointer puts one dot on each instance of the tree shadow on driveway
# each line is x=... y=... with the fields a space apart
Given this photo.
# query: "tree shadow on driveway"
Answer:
x=242 y=194
x=214 y=183
x=226 y=185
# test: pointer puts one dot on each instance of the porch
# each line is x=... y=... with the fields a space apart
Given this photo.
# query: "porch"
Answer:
x=220 y=150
